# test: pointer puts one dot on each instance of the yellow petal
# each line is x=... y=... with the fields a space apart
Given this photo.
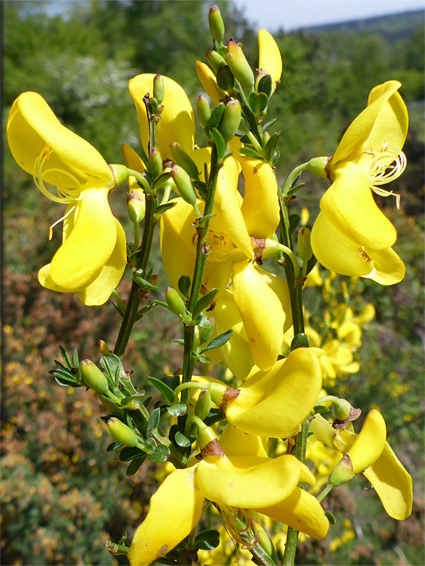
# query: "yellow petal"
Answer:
x=270 y=59
x=383 y=120
x=98 y=292
x=274 y=403
x=349 y=204
x=227 y=205
x=132 y=159
x=174 y=512
x=32 y=124
x=90 y=244
x=261 y=312
x=389 y=269
x=248 y=482
x=392 y=483
x=302 y=512
x=237 y=443
x=209 y=83
x=177 y=119
x=260 y=207
x=369 y=443
x=335 y=251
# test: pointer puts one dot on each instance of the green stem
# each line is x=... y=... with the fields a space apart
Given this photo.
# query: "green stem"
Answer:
x=287 y=185
x=261 y=556
x=134 y=298
x=325 y=492
x=254 y=127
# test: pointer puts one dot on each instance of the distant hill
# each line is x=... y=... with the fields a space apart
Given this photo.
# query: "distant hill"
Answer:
x=393 y=28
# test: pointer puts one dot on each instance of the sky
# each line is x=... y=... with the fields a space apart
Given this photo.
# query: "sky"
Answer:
x=292 y=14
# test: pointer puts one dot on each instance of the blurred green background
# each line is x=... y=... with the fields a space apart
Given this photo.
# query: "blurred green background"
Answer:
x=62 y=494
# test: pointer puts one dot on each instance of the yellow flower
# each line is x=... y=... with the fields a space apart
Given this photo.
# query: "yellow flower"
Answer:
x=238 y=475
x=261 y=298
x=369 y=453
x=92 y=258
x=272 y=403
x=351 y=236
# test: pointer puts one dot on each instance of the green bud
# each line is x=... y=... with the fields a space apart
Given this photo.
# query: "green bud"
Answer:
x=343 y=472
x=203 y=404
x=184 y=185
x=216 y=24
x=238 y=64
x=215 y=60
x=264 y=540
x=304 y=246
x=231 y=119
x=120 y=173
x=121 y=432
x=155 y=163
x=136 y=206
x=93 y=377
x=342 y=409
x=158 y=88
x=174 y=301
x=203 y=109
x=183 y=159
x=317 y=166
x=206 y=330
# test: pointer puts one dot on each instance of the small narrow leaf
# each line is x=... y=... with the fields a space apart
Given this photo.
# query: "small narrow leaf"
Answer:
x=130 y=453
x=166 y=392
x=65 y=357
x=113 y=446
x=207 y=540
x=177 y=410
x=153 y=422
x=248 y=151
x=220 y=144
x=204 y=302
x=160 y=454
x=218 y=341
x=184 y=285
x=183 y=440
x=135 y=465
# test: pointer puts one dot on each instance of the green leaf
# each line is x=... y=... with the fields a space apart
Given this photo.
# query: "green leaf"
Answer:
x=112 y=366
x=207 y=540
x=258 y=102
x=265 y=85
x=220 y=144
x=75 y=359
x=166 y=392
x=214 y=416
x=159 y=211
x=177 y=410
x=126 y=400
x=218 y=341
x=160 y=454
x=113 y=446
x=268 y=124
x=153 y=422
x=216 y=116
x=65 y=357
x=135 y=465
x=184 y=285
x=310 y=264
x=204 y=302
x=250 y=152
x=183 y=440
x=294 y=220
x=330 y=517
x=130 y=452
x=269 y=150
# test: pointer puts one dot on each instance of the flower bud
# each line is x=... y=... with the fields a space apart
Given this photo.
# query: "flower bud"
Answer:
x=238 y=64
x=206 y=330
x=136 y=204
x=304 y=247
x=184 y=184
x=103 y=347
x=317 y=166
x=155 y=163
x=121 y=432
x=216 y=24
x=231 y=119
x=93 y=377
x=203 y=109
x=203 y=404
x=342 y=409
x=215 y=60
x=183 y=159
x=343 y=472
x=158 y=88
x=174 y=301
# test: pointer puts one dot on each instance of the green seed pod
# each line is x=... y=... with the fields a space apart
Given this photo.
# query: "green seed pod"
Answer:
x=203 y=404
x=239 y=66
x=136 y=205
x=216 y=24
x=121 y=432
x=183 y=159
x=120 y=173
x=93 y=377
x=184 y=184
x=342 y=409
x=215 y=60
x=158 y=88
x=155 y=163
x=231 y=119
x=343 y=472
x=317 y=166
x=174 y=301
x=304 y=246
x=203 y=109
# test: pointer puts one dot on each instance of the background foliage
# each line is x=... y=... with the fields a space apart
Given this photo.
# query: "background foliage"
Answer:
x=62 y=494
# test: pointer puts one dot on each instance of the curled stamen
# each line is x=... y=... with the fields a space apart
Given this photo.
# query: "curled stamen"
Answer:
x=58 y=221
x=65 y=196
x=383 y=171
